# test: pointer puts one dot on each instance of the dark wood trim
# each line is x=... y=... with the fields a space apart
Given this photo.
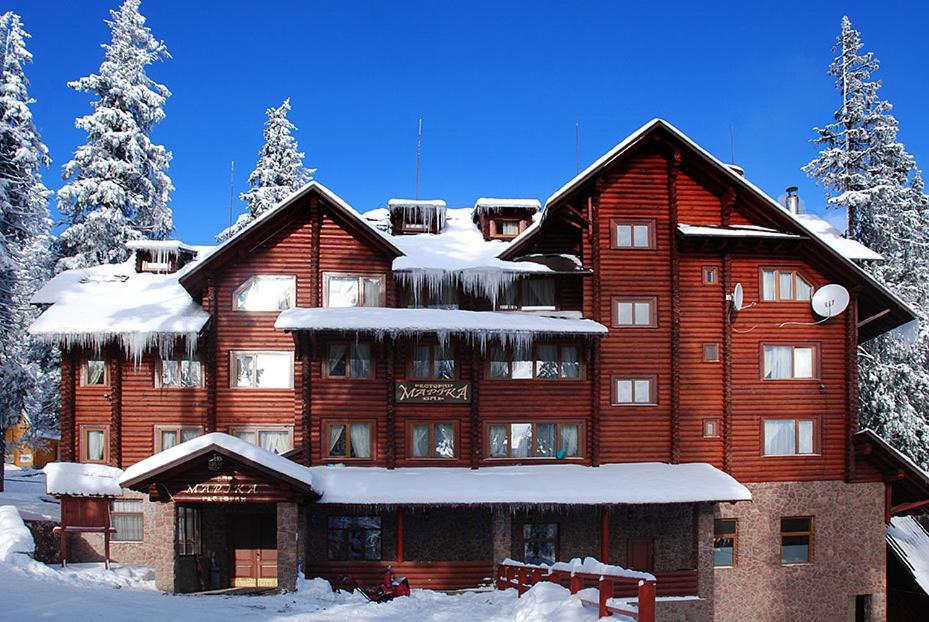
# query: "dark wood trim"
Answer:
x=652 y=311
x=653 y=390
x=782 y=534
x=389 y=351
x=652 y=233
x=431 y=422
x=398 y=533
x=593 y=203
x=475 y=408
x=69 y=371
x=316 y=220
x=817 y=359
x=349 y=376
x=326 y=423
x=673 y=173
x=93 y=427
x=210 y=362
x=116 y=407
x=726 y=274
x=851 y=384
x=705 y=271
x=305 y=344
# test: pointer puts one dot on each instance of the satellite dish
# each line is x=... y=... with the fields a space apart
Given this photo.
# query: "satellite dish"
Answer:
x=830 y=300
x=737 y=297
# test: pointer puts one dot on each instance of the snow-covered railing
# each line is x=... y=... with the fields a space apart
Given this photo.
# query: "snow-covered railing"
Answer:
x=576 y=574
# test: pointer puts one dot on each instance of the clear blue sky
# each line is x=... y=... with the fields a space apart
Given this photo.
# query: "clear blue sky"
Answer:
x=499 y=84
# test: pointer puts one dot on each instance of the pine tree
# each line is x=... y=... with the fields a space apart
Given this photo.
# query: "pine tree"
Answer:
x=27 y=383
x=866 y=170
x=117 y=188
x=279 y=170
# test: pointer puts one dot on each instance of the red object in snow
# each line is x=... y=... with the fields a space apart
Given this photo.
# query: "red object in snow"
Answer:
x=390 y=589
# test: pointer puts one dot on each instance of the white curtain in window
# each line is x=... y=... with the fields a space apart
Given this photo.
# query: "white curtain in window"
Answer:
x=361 y=440
x=804 y=289
x=499 y=366
x=246 y=435
x=361 y=360
x=803 y=362
x=623 y=235
x=643 y=391
x=779 y=437
x=190 y=373
x=569 y=440
x=640 y=236
x=420 y=441
x=444 y=440
x=521 y=433
x=95 y=445
x=421 y=362
x=372 y=292
x=767 y=285
x=522 y=369
x=243 y=370
x=96 y=371
x=342 y=291
x=570 y=367
x=188 y=434
x=168 y=439
x=538 y=293
x=624 y=313
x=276 y=441
x=266 y=293
x=337 y=440
x=546 y=362
x=337 y=359
x=623 y=391
x=643 y=313
x=545 y=440
x=777 y=362
x=498 y=445
x=805 y=436
x=169 y=373
x=444 y=363
x=786 y=282
x=274 y=370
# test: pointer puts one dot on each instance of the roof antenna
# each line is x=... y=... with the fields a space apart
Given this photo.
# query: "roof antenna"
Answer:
x=577 y=147
x=732 y=144
x=231 y=189
x=419 y=154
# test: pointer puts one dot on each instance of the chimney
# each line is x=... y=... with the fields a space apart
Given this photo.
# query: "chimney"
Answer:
x=792 y=201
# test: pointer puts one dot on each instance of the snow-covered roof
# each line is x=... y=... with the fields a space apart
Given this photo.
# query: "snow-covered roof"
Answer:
x=850 y=249
x=172 y=247
x=214 y=441
x=91 y=306
x=490 y=203
x=734 y=231
x=82 y=480
x=392 y=203
x=482 y=326
x=909 y=541
x=642 y=482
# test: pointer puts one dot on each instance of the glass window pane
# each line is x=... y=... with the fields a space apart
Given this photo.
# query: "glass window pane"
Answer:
x=96 y=371
x=273 y=371
x=444 y=363
x=190 y=373
x=421 y=362
x=508 y=297
x=804 y=289
x=337 y=440
x=361 y=360
x=545 y=440
x=643 y=313
x=777 y=362
x=723 y=551
x=337 y=360
x=248 y=436
x=803 y=362
x=244 y=371
x=623 y=235
x=188 y=434
x=779 y=437
x=342 y=291
x=767 y=285
x=96 y=445
x=169 y=373
x=722 y=526
x=361 y=440
x=420 y=441
x=521 y=433
x=569 y=440
x=538 y=293
x=795 y=549
x=786 y=285
x=372 y=292
x=623 y=391
x=499 y=367
x=570 y=367
x=444 y=440
x=266 y=293
x=643 y=391
x=508 y=227
x=546 y=363
x=624 y=313
x=640 y=236
x=168 y=439
x=275 y=441
x=498 y=441
x=805 y=436
x=522 y=369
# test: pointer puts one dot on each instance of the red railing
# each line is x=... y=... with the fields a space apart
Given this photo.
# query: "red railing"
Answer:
x=524 y=576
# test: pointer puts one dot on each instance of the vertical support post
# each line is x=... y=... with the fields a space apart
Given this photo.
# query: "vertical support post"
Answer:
x=851 y=384
x=398 y=553
x=606 y=593
x=389 y=351
x=888 y=501
x=577 y=584
x=673 y=172
x=305 y=345
x=316 y=222
x=605 y=534
x=69 y=371
x=63 y=546
x=597 y=382
x=106 y=548
x=520 y=581
x=116 y=406
x=475 y=412
x=727 y=364
x=211 y=364
x=647 y=591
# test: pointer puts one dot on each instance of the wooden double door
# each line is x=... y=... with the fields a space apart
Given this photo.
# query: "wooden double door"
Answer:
x=254 y=543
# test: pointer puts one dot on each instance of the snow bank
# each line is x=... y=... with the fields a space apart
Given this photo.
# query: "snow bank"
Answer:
x=15 y=537
x=554 y=484
x=207 y=442
x=89 y=480
x=589 y=565
x=552 y=603
x=909 y=540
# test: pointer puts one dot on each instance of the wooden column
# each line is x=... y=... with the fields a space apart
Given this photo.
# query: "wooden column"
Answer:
x=477 y=434
x=605 y=534
x=69 y=371
x=210 y=356
x=305 y=347
x=389 y=350
x=316 y=221
x=726 y=279
x=398 y=553
x=597 y=380
x=851 y=383
x=673 y=172
x=116 y=407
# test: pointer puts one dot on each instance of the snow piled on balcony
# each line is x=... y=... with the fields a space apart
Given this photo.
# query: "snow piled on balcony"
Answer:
x=82 y=480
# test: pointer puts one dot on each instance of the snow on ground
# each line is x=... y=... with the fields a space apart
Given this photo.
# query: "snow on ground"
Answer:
x=25 y=489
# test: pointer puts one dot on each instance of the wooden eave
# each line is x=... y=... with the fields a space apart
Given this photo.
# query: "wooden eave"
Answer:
x=910 y=484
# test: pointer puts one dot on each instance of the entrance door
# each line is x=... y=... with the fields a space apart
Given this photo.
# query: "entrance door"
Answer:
x=255 y=546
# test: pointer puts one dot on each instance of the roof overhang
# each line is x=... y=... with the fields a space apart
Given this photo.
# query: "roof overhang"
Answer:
x=910 y=484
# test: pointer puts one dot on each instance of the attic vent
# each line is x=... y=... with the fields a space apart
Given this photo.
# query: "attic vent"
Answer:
x=414 y=216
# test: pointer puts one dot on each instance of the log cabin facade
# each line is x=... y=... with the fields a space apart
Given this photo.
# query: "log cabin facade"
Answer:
x=420 y=342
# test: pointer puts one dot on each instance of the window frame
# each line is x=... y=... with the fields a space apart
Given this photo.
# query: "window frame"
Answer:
x=178 y=429
x=235 y=430
x=495 y=228
x=159 y=377
x=508 y=423
x=816 y=362
x=712 y=421
x=379 y=276
x=326 y=424
x=85 y=373
x=816 y=439
x=254 y=387
x=349 y=347
x=809 y=534
x=95 y=427
x=189 y=547
x=706 y=272
x=432 y=345
x=733 y=535
x=652 y=302
x=653 y=390
x=704 y=348
x=508 y=355
x=632 y=222
x=456 y=427
x=140 y=515
x=556 y=540
x=293 y=292
x=795 y=274
x=520 y=305
x=380 y=529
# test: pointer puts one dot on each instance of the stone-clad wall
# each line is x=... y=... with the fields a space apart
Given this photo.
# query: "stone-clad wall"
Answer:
x=848 y=554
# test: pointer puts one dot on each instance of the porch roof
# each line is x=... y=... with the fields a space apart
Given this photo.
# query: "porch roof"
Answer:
x=556 y=484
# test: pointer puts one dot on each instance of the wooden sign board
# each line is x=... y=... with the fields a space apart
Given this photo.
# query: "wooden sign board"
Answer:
x=433 y=392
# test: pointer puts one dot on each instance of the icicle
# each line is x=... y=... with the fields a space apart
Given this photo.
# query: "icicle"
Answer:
x=134 y=345
x=482 y=282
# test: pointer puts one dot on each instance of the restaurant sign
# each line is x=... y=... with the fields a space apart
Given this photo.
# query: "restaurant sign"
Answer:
x=434 y=392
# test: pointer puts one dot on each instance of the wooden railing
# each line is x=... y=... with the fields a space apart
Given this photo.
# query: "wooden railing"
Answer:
x=524 y=576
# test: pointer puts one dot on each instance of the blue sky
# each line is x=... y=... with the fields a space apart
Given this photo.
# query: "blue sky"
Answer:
x=499 y=85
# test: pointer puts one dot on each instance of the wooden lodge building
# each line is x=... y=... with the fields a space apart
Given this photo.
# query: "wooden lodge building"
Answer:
x=635 y=373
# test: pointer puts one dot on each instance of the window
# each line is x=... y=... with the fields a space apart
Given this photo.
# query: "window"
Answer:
x=354 y=538
x=790 y=437
x=528 y=295
x=353 y=290
x=635 y=312
x=710 y=275
x=349 y=360
x=183 y=373
x=545 y=362
x=95 y=443
x=504 y=228
x=725 y=542
x=433 y=361
x=712 y=428
x=784 y=285
x=445 y=297
x=540 y=543
x=789 y=362
x=262 y=370
x=126 y=518
x=635 y=234
x=634 y=391
x=349 y=440
x=276 y=439
x=189 y=541
x=432 y=440
x=711 y=352
x=535 y=440
x=796 y=540
x=167 y=436
x=265 y=292
x=95 y=372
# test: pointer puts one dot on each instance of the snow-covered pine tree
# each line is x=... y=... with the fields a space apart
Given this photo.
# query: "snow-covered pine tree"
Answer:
x=27 y=383
x=278 y=173
x=117 y=187
x=867 y=171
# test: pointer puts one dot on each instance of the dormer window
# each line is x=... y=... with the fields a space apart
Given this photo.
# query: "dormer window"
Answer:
x=504 y=228
x=414 y=216
x=160 y=256
x=504 y=219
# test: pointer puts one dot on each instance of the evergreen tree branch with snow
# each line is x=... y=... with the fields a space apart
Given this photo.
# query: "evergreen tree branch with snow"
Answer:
x=117 y=186
x=28 y=384
x=279 y=171
x=867 y=171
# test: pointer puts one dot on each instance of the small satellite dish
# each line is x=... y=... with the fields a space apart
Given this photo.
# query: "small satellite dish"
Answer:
x=830 y=300
x=737 y=297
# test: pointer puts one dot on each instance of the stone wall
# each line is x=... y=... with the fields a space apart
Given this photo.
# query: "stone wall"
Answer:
x=848 y=554
x=89 y=547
